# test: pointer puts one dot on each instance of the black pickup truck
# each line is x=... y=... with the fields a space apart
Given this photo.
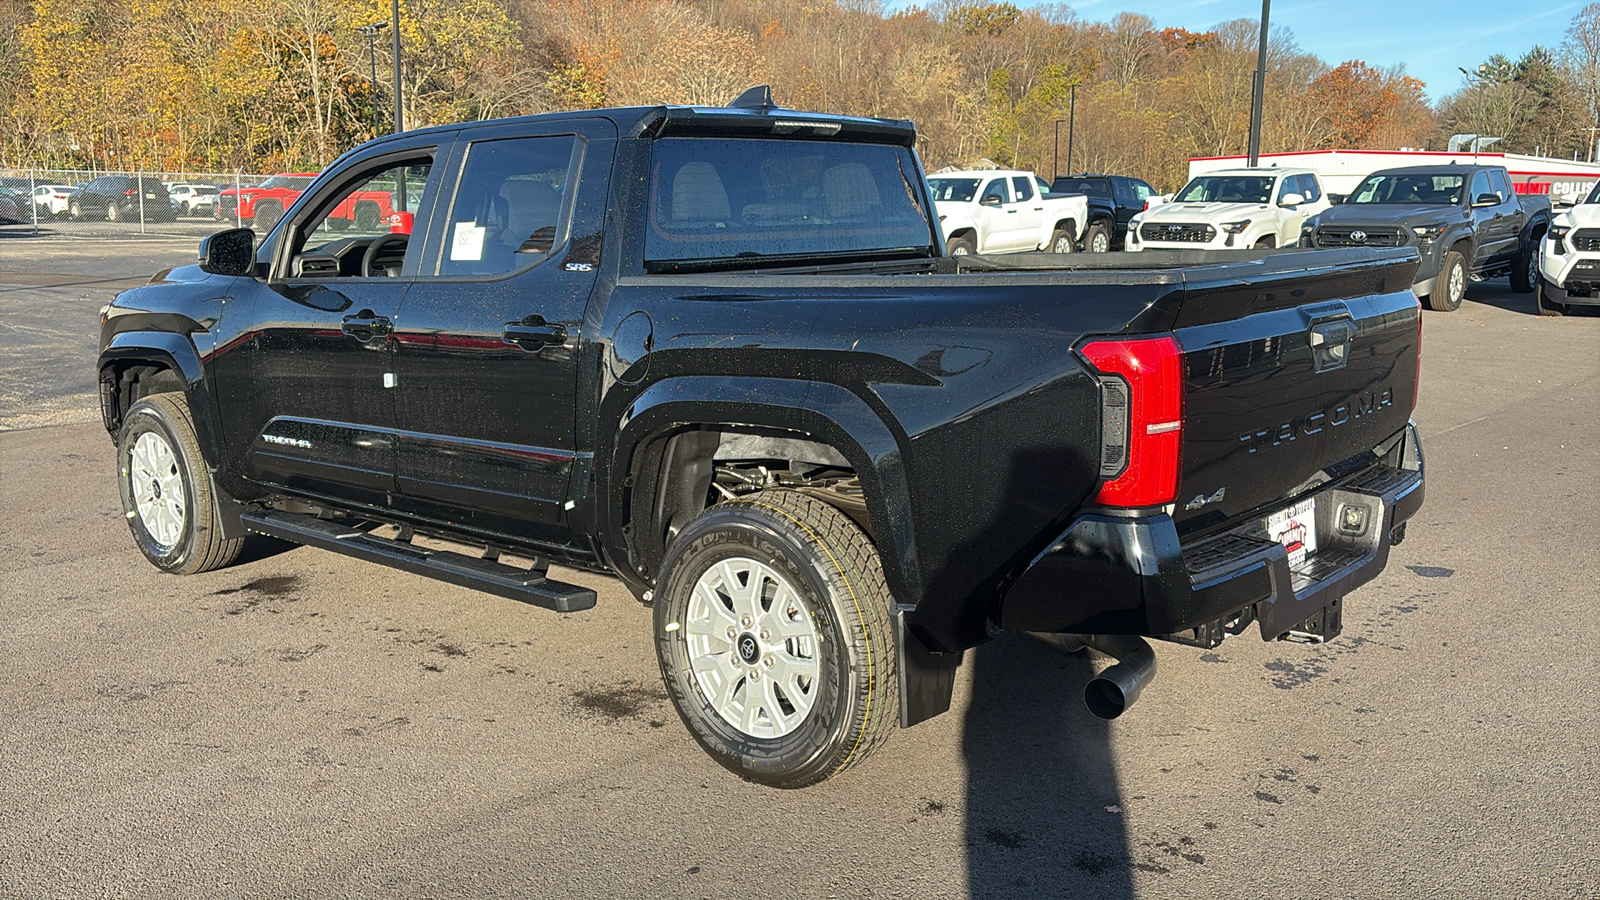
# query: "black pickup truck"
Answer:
x=719 y=354
x=1465 y=221
x=1113 y=201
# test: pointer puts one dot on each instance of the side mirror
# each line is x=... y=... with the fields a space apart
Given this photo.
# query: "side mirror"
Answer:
x=1563 y=203
x=1486 y=200
x=231 y=252
x=989 y=200
x=1291 y=200
x=1335 y=199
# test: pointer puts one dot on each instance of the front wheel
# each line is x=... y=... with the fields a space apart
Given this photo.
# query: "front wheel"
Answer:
x=1543 y=304
x=773 y=634
x=1451 y=286
x=167 y=494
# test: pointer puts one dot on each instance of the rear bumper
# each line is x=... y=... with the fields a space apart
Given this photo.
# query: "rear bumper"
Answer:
x=1119 y=575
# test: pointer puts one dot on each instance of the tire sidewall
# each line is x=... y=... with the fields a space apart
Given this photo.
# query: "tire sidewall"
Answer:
x=960 y=247
x=1452 y=262
x=1099 y=239
x=797 y=757
x=1061 y=242
x=142 y=418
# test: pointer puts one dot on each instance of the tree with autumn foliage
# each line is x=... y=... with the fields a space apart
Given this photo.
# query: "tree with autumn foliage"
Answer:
x=1364 y=108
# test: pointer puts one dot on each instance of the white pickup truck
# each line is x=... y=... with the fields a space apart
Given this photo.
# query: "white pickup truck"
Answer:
x=1006 y=211
x=1234 y=209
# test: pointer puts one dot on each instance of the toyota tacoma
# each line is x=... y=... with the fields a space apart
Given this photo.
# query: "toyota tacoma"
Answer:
x=722 y=355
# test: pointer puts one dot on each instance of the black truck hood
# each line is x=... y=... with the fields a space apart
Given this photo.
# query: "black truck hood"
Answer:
x=1388 y=214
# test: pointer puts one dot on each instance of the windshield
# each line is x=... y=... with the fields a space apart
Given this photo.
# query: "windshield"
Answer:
x=1094 y=187
x=712 y=200
x=1227 y=189
x=1430 y=190
x=960 y=190
x=292 y=182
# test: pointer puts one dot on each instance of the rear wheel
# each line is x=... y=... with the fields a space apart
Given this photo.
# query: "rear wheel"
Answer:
x=1061 y=241
x=773 y=634
x=75 y=211
x=112 y=213
x=960 y=246
x=1542 y=303
x=1525 y=271
x=167 y=494
x=1451 y=286
x=1098 y=240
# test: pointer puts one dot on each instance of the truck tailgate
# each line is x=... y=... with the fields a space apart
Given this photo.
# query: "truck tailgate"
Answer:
x=1287 y=388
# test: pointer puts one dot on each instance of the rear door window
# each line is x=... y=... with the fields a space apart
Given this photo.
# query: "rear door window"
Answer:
x=1024 y=190
x=510 y=209
x=1309 y=188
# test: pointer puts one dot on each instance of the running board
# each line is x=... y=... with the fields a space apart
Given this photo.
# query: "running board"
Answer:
x=349 y=537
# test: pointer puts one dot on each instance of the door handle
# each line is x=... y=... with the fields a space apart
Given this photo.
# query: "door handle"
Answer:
x=366 y=325
x=533 y=333
x=1011 y=211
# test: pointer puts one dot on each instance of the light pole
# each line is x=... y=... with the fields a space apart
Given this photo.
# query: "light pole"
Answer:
x=399 y=115
x=1258 y=95
x=371 y=33
x=1477 y=126
x=1072 y=114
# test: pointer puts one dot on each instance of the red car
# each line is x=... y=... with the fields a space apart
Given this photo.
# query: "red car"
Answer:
x=262 y=205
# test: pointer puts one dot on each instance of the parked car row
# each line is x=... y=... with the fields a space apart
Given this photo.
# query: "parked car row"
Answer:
x=113 y=198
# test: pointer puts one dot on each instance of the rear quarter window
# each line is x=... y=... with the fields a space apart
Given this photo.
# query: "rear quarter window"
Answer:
x=715 y=199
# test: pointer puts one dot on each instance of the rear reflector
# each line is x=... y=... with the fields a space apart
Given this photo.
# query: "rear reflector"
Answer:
x=1141 y=431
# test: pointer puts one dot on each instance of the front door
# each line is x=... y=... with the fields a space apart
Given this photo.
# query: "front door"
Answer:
x=487 y=343
x=306 y=369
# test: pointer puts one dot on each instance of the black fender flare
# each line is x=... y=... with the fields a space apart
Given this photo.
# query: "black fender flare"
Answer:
x=178 y=354
x=1537 y=224
x=823 y=412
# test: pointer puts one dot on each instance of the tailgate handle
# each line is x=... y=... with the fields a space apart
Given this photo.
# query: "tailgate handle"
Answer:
x=1330 y=343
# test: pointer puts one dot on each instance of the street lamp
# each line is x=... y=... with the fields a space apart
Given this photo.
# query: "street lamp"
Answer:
x=371 y=34
x=1477 y=139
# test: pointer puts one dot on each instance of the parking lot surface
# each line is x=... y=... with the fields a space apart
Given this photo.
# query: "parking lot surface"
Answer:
x=306 y=725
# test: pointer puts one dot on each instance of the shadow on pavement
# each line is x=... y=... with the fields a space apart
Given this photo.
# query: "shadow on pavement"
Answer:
x=1044 y=810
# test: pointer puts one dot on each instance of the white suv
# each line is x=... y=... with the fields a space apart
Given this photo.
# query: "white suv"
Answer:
x=1233 y=209
x=190 y=199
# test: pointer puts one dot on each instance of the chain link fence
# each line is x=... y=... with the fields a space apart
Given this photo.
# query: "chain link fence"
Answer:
x=89 y=203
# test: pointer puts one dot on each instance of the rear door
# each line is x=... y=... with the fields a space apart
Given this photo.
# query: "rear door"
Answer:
x=487 y=340
x=1305 y=381
x=1029 y=204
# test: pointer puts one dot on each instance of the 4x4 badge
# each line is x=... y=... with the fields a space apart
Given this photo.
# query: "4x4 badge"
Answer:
x=1202 y=499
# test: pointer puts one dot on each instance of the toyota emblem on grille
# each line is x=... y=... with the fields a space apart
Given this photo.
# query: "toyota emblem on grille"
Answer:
x=1359 y=237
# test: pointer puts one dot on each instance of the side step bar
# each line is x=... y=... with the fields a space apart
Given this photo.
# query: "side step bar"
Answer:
x=350 y=538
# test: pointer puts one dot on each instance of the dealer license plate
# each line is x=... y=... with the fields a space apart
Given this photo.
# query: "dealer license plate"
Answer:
x=1296 y=529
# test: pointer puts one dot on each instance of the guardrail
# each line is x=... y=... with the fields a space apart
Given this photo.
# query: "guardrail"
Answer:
x=146 y=212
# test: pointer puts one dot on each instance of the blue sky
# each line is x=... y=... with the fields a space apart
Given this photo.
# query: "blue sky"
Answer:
x=1431 y=37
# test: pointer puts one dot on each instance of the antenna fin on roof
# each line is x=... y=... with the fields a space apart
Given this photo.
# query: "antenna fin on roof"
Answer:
x=754 y=98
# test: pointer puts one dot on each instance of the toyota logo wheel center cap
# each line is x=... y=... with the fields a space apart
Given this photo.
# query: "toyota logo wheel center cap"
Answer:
x=749 y=649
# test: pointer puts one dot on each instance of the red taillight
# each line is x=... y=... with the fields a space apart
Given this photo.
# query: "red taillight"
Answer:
x=129 y=193
x=1142 y=419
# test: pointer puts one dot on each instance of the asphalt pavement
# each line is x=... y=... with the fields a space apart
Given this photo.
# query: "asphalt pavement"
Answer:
x=306 y=725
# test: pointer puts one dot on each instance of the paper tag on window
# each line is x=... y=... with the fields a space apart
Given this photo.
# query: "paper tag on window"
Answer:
x=467 y=242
